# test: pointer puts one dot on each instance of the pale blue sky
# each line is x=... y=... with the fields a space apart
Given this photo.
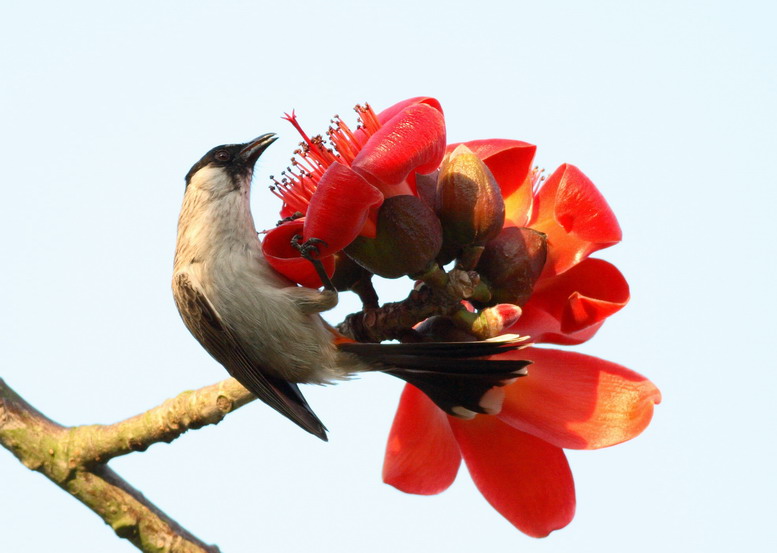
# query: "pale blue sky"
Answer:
x=669 y=107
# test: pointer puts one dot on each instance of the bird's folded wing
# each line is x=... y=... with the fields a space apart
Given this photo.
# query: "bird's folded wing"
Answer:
x=207 y=326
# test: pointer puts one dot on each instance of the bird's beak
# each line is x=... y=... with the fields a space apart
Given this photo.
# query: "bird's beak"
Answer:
x=253 y=149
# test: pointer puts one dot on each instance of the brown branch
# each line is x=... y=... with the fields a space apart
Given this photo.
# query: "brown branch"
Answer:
x=188 y=410
x=74 y=458
x=440 y=295
x=394 y=320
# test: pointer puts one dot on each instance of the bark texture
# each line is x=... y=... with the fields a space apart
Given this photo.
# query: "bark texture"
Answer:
x=75 y=458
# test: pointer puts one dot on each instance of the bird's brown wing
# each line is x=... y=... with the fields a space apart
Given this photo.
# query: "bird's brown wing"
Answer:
x=204 y=323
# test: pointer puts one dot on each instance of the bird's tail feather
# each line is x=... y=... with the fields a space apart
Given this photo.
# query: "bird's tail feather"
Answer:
x=462 y=378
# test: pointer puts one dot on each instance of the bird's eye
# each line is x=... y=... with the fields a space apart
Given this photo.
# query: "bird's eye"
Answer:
x=222 y=155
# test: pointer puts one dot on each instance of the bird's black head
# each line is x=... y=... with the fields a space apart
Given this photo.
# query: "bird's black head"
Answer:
x=237 y=159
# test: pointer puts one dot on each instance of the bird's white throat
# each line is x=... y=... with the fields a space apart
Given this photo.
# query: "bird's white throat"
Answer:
x=215 y=218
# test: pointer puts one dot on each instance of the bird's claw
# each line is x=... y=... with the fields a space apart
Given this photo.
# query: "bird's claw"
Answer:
x=308 y=248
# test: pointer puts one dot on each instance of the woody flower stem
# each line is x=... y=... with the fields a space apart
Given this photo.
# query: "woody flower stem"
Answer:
x=440 y=295
x=394 y=321
x=75 y=458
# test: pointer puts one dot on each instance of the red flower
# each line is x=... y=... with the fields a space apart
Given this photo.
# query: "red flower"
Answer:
x=337 y=191
x=515 y=458
x=568 y=400
x=360 y=195
x=574 y=295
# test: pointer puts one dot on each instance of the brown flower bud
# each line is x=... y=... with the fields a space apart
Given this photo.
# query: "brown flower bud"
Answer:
x=469 y=201
x=426 y=188
x=511 y=263
x=408 y=238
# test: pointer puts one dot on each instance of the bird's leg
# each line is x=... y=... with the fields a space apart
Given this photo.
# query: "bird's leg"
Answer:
x=306 y=250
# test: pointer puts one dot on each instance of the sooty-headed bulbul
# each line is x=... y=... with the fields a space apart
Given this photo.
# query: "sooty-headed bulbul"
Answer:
x=267 y=331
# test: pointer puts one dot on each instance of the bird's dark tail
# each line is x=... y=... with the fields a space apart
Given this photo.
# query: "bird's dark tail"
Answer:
x=462 y=378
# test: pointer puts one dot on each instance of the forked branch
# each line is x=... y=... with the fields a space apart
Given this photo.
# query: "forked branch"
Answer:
x=75 y=458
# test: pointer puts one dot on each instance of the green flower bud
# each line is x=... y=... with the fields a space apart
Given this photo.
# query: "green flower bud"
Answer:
x=408 y=239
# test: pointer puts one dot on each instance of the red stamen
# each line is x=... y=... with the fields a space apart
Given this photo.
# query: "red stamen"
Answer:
x=368 y=119
x=313 y=157
x=343 y=140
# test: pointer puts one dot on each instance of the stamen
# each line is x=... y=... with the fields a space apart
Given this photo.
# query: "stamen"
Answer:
x=536 y=177
x=343 y=140
x=368 y=119
x=313 y=157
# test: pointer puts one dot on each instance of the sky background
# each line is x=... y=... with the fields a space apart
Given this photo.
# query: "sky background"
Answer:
x=668 y=106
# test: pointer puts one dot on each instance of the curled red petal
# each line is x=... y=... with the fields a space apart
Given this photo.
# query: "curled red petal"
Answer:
x=575 y=216
x=519 y=204
x=339 y=208
x=390 y=112
x=413 y=140
x=285 y=259
x=523 y=477
x=578 y=401
x=569 y=308
x=422 y=456
x=544 y=328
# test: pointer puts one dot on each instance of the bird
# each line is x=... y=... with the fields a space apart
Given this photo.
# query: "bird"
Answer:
x=268 y=332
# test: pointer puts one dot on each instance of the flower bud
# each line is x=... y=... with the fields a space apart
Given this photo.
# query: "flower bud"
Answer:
x=489 y=322
x=407 y=239
x=511 y=263
x=469 y=202
x=426 y=188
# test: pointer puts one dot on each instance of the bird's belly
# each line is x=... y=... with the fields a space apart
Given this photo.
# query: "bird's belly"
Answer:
x=272 y=330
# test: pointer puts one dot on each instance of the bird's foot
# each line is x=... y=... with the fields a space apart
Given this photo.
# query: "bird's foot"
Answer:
x=306 y=251
x=307 y=248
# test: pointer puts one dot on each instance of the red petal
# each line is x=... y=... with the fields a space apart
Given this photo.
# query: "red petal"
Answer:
x=285 y=259
x=411 y=141
x=569 y=308
x=576 y=218
x=339 y=208
x=390 y=112
x=577 y=401
x=524 y=478
x=422 y=456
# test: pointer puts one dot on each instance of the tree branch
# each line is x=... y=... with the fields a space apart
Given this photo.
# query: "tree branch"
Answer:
x=74 y=458
x=164 y=423
x=394 y=320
